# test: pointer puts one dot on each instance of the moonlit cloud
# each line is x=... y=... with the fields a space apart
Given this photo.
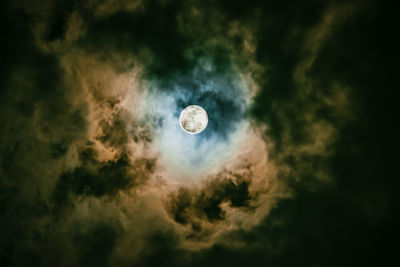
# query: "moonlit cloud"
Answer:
x=223 y=98
x=95 y=169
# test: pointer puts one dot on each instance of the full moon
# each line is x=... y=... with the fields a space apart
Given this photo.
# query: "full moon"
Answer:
x=193 y=119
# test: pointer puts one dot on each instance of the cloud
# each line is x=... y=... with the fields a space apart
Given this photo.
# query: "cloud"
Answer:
x=95 y=170
x=191 y=208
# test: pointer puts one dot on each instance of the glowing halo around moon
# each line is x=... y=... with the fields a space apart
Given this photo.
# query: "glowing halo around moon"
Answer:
x=193 y=119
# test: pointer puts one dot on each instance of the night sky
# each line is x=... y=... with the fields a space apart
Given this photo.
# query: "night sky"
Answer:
x=297 y=166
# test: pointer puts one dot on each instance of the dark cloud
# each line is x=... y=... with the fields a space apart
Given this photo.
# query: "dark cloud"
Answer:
x=152 y=28
x=37 y=127
x=94 y=178
x=114 y=134
x=58 y=19
x=192 y=207
x=96 y=244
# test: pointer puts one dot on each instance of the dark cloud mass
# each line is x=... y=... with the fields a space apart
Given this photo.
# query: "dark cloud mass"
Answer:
x=188 y=207
x=297 y=166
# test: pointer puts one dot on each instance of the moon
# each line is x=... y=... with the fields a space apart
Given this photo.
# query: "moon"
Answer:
x=193 y=119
